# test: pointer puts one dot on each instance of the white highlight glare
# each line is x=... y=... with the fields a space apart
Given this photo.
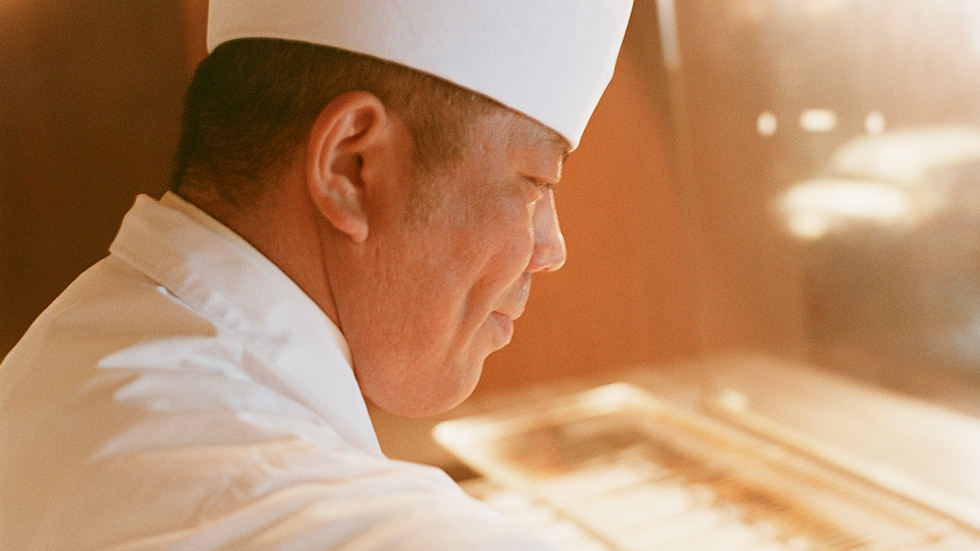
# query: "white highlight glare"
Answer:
x=818 y=120
x=668 y=34
x=767 y=123
x=907 y=157
x=813 y=208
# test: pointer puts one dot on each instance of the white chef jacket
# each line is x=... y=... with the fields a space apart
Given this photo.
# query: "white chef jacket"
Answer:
x=184 y=393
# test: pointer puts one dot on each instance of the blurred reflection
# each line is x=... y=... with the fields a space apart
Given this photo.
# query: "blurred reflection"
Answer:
x=617 y=469
x=891 y=239
x=900 y=179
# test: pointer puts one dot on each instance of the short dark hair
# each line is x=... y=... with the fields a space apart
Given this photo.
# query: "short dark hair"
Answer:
x=253 y=102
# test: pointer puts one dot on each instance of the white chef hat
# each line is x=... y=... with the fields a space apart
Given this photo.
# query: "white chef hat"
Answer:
x=548 y=59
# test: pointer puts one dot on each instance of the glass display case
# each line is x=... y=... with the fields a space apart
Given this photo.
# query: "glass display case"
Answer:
x=830 y=154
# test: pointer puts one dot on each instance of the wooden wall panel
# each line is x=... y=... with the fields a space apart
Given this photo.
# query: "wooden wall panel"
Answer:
x=90 y=98
x=749 y=277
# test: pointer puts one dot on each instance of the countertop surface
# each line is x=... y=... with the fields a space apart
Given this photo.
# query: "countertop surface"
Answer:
x=927 y=449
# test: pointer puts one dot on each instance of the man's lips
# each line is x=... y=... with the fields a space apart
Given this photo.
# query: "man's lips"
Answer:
x=511 y=313
x=516 y=300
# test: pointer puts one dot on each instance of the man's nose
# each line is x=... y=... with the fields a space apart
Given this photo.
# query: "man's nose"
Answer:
x=549 y=244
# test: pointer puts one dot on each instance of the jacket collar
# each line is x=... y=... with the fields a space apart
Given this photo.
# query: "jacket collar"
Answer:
x=222 y=278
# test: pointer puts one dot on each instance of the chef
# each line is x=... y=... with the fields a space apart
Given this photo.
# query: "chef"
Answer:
x=362 y=193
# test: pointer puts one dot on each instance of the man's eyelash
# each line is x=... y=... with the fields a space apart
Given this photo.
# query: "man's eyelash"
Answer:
x=542 y=184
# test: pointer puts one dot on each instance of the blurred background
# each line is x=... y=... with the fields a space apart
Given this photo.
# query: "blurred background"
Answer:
x=793 y=178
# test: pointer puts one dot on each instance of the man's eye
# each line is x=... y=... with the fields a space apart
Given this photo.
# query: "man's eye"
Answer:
x=541 y=184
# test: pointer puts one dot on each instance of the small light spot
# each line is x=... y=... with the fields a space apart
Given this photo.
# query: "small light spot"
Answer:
x=767 y=124
x=818 y=120
x=733 y=400
x=874 y=123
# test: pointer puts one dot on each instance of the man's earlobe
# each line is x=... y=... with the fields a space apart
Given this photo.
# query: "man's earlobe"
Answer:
x=347 y=131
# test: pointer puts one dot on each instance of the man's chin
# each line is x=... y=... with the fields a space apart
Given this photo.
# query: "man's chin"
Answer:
x=442 y=391
x=502 y=328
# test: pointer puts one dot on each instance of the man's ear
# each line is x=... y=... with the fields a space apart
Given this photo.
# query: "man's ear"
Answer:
x=351 y=128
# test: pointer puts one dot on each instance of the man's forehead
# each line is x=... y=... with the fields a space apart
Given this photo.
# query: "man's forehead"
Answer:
x=533 y=133
x=560 y=144
x=538 y=150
